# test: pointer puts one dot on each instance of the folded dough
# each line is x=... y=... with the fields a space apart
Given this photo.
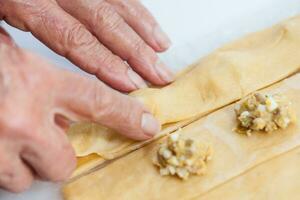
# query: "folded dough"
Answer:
x=135 y=177
x=95 y=144
x=253 y=62
x=86 y=163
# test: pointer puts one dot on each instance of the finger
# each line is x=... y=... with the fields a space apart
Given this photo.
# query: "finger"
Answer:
x=69 y=38
x=101 y=18
x=15 y=176
x=50 y=155
x=45 y=147
x=141 y=20
x=81 y=98
x=5 y=38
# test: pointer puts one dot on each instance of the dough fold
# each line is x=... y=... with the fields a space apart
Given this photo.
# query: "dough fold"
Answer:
x=135 y=177
x=228 y=74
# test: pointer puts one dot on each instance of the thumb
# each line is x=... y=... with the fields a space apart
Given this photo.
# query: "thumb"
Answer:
x=81 y=98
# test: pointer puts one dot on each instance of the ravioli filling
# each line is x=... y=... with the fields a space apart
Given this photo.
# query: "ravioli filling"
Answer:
x=182 y=157
x=265 y=113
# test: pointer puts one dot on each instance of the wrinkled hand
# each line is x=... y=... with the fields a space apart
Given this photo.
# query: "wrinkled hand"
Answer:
x=37 y=102
x=98 y=36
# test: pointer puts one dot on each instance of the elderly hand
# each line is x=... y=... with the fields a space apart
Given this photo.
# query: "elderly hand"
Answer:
x=37 y=103
x=98 y=36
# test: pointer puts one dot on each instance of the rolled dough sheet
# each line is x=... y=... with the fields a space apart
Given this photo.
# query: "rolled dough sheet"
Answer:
x=276 y=179
x=228 y=74
x=135 y=177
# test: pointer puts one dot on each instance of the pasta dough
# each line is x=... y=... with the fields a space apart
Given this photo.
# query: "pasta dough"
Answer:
x=86 y=137
x=228 y=74
x=135 y=177
x=278 y=178
x=231 y=72
x=84 y=164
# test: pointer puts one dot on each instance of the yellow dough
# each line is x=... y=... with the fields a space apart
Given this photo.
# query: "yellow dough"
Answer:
x=95 y=144
x=228 y=74
x=84 y=164
x=135 y=177
x=276 y=179
x=90 y=138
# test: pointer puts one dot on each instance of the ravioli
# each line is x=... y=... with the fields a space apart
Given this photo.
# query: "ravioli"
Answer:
x=135 y=177
x=226 y=75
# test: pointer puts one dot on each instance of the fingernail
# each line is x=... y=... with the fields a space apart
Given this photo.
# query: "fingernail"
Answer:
x=163 y=72
x=161 y=38
x=136 y=79
x=149 y=124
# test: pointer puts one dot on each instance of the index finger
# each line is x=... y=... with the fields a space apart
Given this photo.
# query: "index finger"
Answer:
x=83 y=99
x=69 y=38
x=143 y=22
x=110 y=28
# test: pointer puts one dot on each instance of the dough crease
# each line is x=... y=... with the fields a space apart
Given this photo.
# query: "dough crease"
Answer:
x=226 y=75
x=135 y=177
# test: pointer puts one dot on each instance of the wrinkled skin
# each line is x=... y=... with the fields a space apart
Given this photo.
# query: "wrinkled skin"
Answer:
x=98 y=36
x=115 y=40
x=38 y=102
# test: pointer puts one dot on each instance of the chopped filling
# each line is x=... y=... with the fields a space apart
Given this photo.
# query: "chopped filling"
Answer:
x=182 y=157
x=265 y=113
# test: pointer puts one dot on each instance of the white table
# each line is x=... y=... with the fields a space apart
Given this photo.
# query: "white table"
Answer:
x=196 y=27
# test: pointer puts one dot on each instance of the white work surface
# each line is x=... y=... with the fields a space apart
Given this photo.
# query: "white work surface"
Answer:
x=196 y=27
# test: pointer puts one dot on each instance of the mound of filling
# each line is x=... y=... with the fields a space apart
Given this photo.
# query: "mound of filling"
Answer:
x=265 y=113
x=182 y=157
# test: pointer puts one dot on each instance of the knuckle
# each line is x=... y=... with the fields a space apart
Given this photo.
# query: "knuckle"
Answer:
x=6 y=173
x=102 y=102
x=108 y=18
x=34 y=8
x=110 y=65
x=14 y=181
x=128 y=6
x=23 y=12
x=139 y=45
x=76 y=42
x=65 y=164
x=76 y=35
x=21 y=184
x=115 y=110
x=106 y=60
x=139 y=48
x=20 y=126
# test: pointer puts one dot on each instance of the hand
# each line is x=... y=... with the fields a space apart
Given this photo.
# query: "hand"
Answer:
x=37 y=104
x=98 y=36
